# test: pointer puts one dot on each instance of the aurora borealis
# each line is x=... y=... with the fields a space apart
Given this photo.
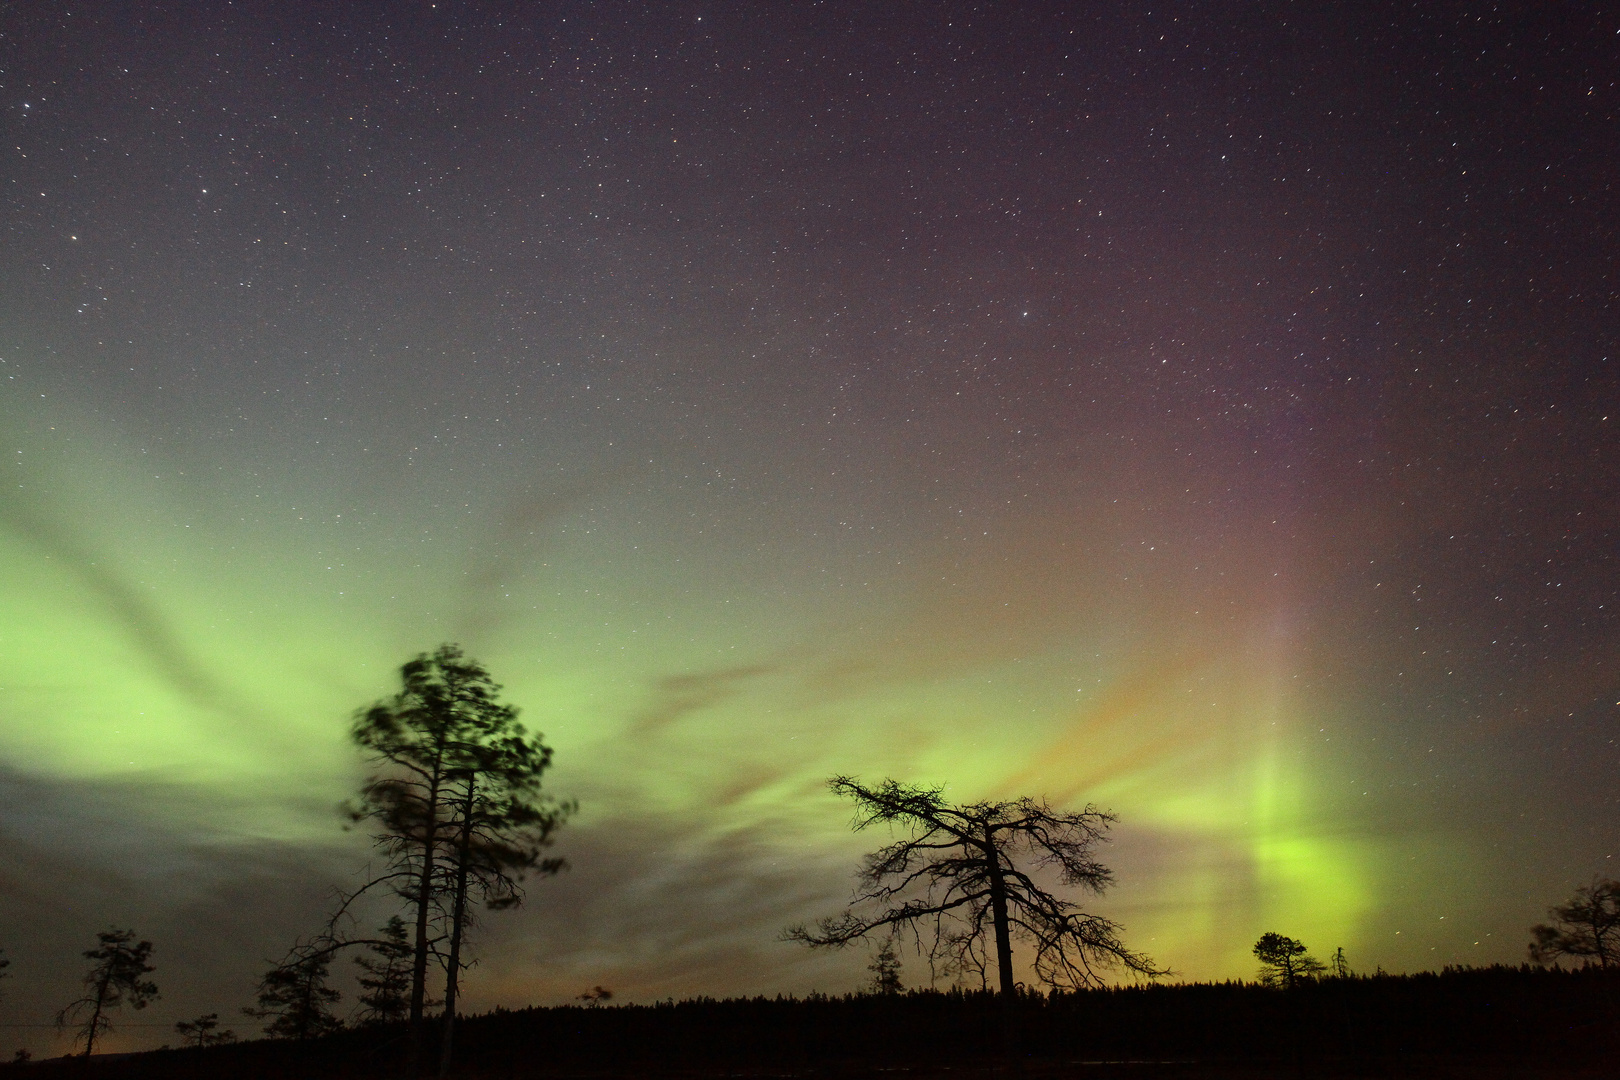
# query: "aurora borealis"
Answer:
x=1204 y=411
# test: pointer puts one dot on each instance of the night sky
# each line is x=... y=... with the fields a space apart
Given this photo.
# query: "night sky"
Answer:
x=1203 y=410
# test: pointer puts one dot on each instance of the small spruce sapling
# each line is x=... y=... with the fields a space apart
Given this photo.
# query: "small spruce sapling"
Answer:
x=295 y=998
x=885 y=969
x=200 y=1032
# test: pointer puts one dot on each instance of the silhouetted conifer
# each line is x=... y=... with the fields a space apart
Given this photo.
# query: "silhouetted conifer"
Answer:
x=885 y=969
x=200 y=1032
x=1284 y=962
x=456 y=800
x=387 y=979
x=596 y=997
x=295 y=998
x=113 y=980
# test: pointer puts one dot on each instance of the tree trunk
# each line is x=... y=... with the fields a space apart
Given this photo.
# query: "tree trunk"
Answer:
x=456 y=921
x=424 y=893
x=998 y=914
x=1008 y=998
x=306 y=1021
x=90 y=1037
x=95 y=1017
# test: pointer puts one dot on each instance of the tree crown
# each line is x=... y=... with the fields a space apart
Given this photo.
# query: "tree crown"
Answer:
x=969 y=870
x=1586 y=928
x=1285 y=961
x=114 y=979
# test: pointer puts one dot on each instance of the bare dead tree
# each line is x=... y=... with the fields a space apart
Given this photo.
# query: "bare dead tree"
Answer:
x=1587 y=928
x=964 y=882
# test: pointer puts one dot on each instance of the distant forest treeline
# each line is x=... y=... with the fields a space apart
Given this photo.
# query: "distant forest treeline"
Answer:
x=1495 y=1014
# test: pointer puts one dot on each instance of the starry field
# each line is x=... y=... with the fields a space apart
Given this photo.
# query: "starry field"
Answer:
x=1203 y=411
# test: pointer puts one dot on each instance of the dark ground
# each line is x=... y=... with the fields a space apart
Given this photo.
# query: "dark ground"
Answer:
x=162 y=1064
x=1473 y=1023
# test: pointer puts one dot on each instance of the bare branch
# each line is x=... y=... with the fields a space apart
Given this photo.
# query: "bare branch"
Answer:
x=968 y=872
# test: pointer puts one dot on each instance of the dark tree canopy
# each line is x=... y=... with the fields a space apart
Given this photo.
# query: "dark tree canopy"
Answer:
x=414 y=741
x=500 y=825
x=115 y=979
x=294 y=997
x=1587 y=928
x=455 y=798
x=885 y=969
x=968 y=873
x=386 y=979
x=1285 y=962
x=202 y=1032
x=596 y=997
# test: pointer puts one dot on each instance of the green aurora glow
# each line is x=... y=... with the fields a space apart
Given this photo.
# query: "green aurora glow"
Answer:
x=192 y=636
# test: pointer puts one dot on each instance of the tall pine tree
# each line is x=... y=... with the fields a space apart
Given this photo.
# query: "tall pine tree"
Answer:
x=455 y=800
